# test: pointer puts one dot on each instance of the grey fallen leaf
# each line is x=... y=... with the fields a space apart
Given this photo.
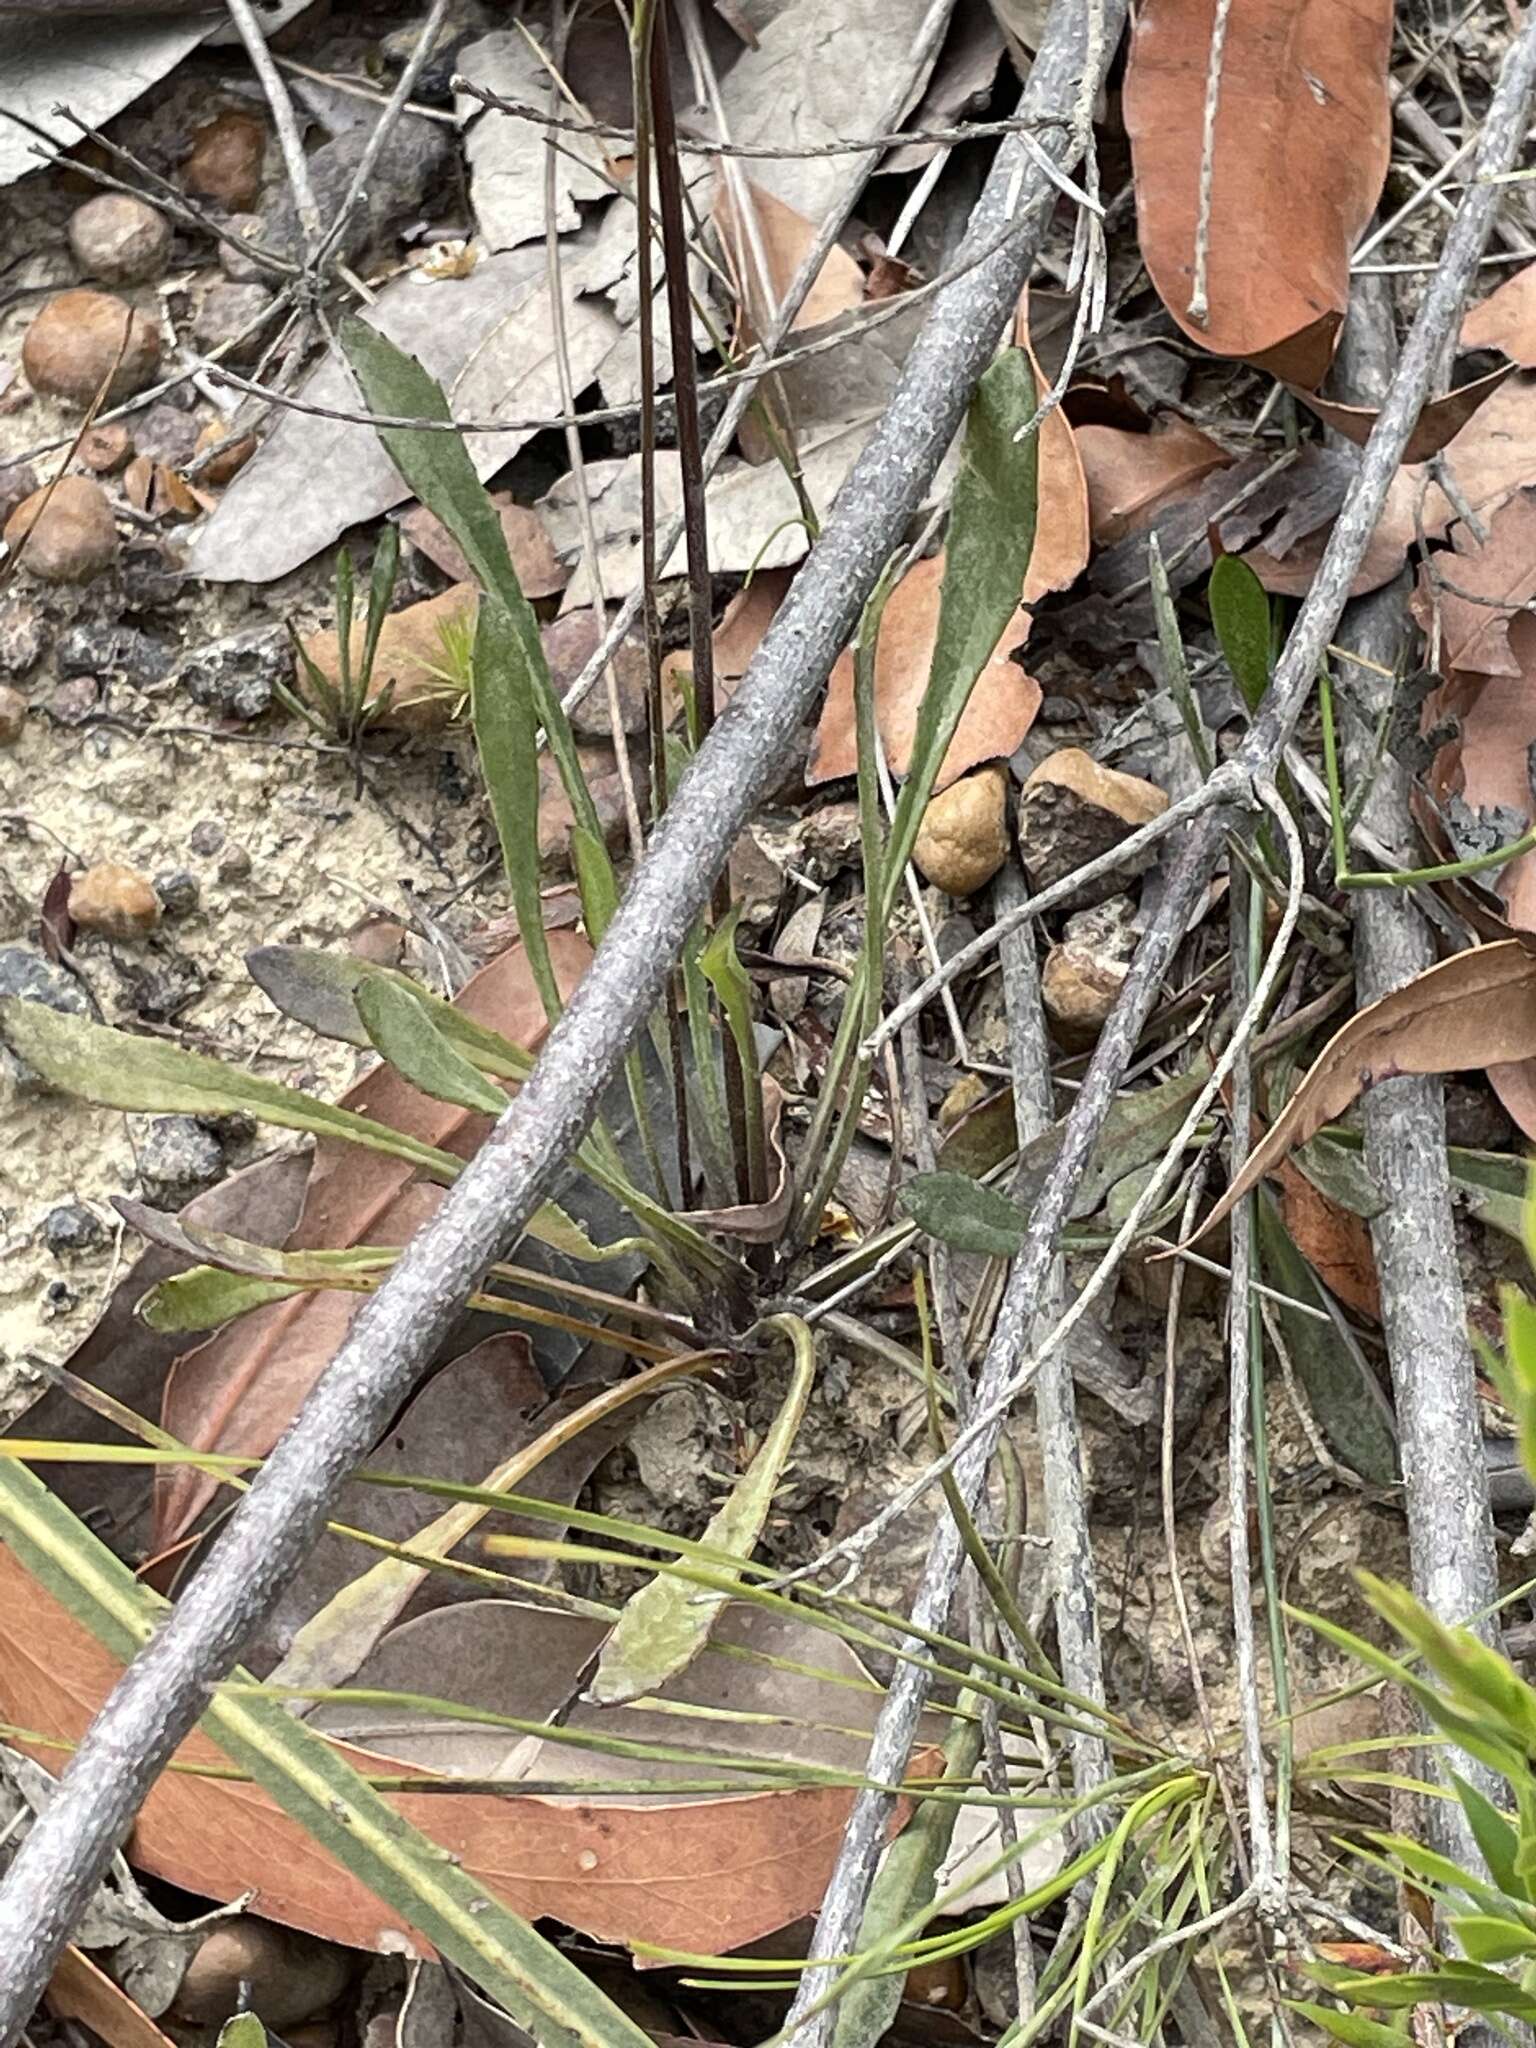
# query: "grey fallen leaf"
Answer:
x=95 y=68
x=611 y=272
x=818 y=75
x=861 y=372
x=1023 y=23
x=508 y=156
x=506 y=1657
x=487 y=338
x=95 y=59
x=754 y=516
x=963 y=78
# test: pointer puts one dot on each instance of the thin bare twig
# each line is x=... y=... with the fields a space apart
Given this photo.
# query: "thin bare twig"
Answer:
x=1199 y=296
x=1423 y=1310
x=289 y=141
x=779 y=152
x=1073 y=1578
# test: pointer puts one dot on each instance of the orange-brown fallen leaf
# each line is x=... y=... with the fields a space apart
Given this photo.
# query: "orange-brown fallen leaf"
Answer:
x=765 y=241
x=239 y=1391
x=79 y=1990
x=1506 y=319
x=708 y=1875
x=743 y=623
x=540 y=571
x=1334 y=1241
x=1492 y=455
x=1476 y=1009
x=412 y=659
x=1302 y=139
x=1488 y=764
x=1131 y=477
x=1062 y=541
x=1001 y=710
x=1497 y=573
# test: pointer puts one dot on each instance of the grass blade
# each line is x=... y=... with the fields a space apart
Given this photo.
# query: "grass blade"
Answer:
x=506 y=724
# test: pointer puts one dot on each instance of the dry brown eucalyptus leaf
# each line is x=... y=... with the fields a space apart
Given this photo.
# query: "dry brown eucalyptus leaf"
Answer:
x=1131 y=477
x=239 y=1391
x=705 y=1874
x=1440 y=419
x=1302 y=139
x=1506 y=319
x=1001 y=710
x=1477 y=1009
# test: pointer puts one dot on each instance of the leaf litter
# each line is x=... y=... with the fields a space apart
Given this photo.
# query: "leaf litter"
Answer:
x=1149 y=441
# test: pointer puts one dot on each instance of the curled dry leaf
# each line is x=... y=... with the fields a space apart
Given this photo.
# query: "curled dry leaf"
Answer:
x=705 y=1874
x=1476 y=1009
x=758 y=1222
x=239 y=1391
x=1131 y=477
x=1506 y=319
x=79 y=1990
x=1488 y=764
x=1490 y=457
x=1439 y=421
x=1334 y=1241
x=1302 y=139
x=1001 y=710
x=1062 y=543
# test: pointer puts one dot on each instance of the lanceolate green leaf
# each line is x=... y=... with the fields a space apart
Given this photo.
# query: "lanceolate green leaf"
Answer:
x=206 y=1298
x=964 y=1213
x=1351 y=2028
x=506 y=721
x=666 y=1624
x=1240 y=613
x=438 y=469
x=401 y=1029
x=991 y=538
x=119 y=1071
x=319 y=989
x=543 y=1990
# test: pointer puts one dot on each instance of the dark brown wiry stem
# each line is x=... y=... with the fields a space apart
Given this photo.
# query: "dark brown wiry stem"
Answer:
x=690 y=458
x=645 y=32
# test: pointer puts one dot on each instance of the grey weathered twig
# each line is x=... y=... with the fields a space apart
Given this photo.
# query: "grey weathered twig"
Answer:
x=1074 y=1590
x=289 y=141
x=394 y=107
x=272 y=1530
x=837 y=1929
x=1423 y=1310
